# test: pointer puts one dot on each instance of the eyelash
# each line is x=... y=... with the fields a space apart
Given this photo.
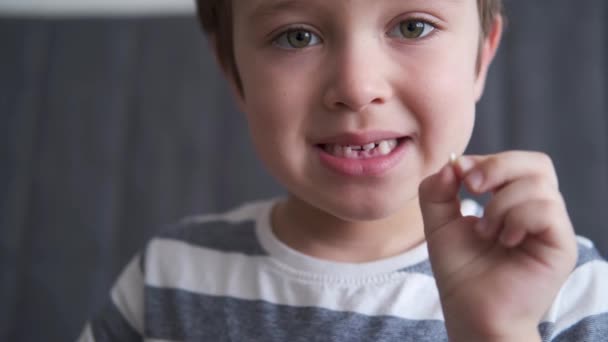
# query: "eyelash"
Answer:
x=281 y=38
x=283 y=35
x=429 y=27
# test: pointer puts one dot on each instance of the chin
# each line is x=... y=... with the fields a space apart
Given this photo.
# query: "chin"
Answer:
x=368 y=209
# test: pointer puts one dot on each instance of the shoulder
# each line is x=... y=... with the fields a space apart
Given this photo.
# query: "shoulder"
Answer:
x=581 y=307
x=232 y=231
x=195 y=238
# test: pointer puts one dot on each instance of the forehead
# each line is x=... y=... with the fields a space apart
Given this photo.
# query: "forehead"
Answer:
x=259 y=9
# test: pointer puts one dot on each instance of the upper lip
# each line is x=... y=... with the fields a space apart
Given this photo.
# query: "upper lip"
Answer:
x=359 y=138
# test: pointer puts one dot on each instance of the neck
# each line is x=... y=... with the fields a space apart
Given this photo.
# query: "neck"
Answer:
x=324 y=236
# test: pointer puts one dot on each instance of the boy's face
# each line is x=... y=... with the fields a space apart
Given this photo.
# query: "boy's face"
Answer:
x=320 y=75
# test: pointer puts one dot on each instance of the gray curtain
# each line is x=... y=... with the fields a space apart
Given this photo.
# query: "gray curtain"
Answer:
x=113 y=128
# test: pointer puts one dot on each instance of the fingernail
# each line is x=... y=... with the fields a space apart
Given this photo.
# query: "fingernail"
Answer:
x=453 y=158
x=475 y=180
x=465 y=164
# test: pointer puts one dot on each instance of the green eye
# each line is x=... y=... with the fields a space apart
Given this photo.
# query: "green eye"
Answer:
x=412 y=29
x=297 y=39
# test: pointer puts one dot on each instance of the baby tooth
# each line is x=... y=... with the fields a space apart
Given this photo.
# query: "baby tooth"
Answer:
x=349 y=153
x=369 y=146
x=384 y=148
x=338 y=151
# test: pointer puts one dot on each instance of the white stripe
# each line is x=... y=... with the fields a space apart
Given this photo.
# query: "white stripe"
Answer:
x=87 y=334
x=127 y=295
x=205 y=271
x=585 y=242
x=95 y=7
x=246 y=212
x=300 y=263
x=584 y=294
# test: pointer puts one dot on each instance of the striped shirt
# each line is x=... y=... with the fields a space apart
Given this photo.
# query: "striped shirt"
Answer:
x=228 y=278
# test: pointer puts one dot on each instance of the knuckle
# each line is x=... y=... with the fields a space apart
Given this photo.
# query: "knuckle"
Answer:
x=546 y=168
x=542 y=186
x=545 y=161
x=492 y=166
x=549 y=211
x=545 y=206
x=537 y=183
x=541 y=156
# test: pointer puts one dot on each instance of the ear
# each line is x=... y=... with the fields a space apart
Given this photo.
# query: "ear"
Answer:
x=488 y=50
x=230 y=75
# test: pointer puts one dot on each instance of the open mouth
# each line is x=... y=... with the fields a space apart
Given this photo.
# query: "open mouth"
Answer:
x=370 y=150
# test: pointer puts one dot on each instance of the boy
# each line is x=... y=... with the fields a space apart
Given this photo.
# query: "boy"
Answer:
x=354 y=106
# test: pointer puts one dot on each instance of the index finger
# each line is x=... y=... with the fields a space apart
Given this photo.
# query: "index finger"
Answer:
x=481 y=174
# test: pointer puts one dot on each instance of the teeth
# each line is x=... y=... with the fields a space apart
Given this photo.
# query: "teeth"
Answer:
x=369 y=146
x=349 y=153
x=336 y=150
x=382 y=147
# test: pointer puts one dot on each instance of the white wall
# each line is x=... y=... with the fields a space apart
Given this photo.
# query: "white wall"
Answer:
x=95 y=7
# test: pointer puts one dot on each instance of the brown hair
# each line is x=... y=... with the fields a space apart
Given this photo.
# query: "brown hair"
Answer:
x=215 y=17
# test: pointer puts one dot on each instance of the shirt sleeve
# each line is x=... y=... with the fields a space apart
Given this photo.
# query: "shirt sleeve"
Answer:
x=121 y=319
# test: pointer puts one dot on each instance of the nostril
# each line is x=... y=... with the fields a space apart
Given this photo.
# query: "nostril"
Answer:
x=378 y=101
x=351 y=107
x=356 y=97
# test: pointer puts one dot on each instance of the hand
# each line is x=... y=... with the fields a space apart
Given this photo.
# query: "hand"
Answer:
x=498 y=275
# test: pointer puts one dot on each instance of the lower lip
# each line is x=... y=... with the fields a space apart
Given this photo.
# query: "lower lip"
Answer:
x=368 y=167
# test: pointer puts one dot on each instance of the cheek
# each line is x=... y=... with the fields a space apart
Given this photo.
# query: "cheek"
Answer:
x=277 y=94
x=275 y=109
x=446 y=109
x=272 y=114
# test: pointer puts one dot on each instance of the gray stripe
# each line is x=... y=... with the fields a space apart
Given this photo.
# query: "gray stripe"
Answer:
x=546 y=330
x=423 y=267
x=142 y=260
x=586 y=254
x=590 y=329
x=219 y=235
x=110 y=325
x=181 y=315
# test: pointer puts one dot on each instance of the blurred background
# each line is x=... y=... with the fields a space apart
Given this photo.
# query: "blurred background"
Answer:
x=114 y=122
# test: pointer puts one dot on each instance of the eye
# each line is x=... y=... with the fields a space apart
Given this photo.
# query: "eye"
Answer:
x=297 y=39
x=412 y=29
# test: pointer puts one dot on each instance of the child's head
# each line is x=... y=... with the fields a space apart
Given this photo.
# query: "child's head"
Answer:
x=396 y=80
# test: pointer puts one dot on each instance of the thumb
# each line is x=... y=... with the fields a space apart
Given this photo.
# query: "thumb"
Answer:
x=439 y=201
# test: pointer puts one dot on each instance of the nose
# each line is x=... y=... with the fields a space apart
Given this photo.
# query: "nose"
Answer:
x=357 y=79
